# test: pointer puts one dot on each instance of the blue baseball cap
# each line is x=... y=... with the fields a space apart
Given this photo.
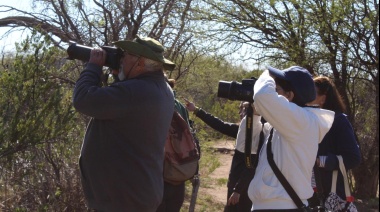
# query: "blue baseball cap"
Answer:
x=300 y=79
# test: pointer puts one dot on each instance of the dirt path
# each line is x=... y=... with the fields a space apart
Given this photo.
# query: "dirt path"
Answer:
x=219 y=193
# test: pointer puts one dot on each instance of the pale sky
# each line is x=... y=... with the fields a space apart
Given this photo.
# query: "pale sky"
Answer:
x=7 y=43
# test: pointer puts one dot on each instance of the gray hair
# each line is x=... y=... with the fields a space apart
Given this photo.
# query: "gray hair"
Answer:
x=152 y=65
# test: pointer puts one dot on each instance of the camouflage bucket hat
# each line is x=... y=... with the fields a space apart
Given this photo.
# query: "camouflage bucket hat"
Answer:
x=146 y=47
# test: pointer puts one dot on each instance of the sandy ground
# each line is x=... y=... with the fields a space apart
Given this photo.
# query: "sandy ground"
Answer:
x=219 y=193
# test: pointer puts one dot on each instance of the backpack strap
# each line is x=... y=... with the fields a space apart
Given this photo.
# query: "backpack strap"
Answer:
x=281 y=177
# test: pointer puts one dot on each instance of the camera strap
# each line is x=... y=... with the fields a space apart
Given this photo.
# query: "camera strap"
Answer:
x=248 y=136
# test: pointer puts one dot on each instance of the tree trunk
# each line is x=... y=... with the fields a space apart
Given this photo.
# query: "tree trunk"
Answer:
x=367 y=177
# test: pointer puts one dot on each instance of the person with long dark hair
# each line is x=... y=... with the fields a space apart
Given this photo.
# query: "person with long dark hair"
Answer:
x=340 y=140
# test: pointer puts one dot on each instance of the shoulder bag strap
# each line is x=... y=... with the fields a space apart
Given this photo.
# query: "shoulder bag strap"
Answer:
x=342 y=168
x=349 y=198
x=281 y=177
x=333 y=181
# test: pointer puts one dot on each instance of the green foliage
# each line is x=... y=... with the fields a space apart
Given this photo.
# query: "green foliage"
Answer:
x=200 y=86
x=334 y=38
x=208 y=162
x=39 y=132
x=32 y=103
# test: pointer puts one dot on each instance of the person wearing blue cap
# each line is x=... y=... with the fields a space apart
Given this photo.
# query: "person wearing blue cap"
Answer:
x=292 y=133
x=121 y=160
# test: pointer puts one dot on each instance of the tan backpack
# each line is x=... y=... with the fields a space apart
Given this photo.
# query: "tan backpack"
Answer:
x=181 y=152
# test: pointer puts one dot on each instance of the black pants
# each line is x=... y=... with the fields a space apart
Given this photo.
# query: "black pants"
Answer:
x=174 y=196
x=238 y=169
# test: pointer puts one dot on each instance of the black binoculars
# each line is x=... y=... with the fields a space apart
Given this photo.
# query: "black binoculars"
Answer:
x=81 y=52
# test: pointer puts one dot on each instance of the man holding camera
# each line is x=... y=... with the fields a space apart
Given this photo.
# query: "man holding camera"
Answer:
x=123 y=149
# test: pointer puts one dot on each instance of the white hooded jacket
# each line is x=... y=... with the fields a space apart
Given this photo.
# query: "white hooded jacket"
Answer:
x=297 y=132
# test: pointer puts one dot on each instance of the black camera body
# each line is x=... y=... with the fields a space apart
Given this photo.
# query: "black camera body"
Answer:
x=237 y=91
x=81 y=52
